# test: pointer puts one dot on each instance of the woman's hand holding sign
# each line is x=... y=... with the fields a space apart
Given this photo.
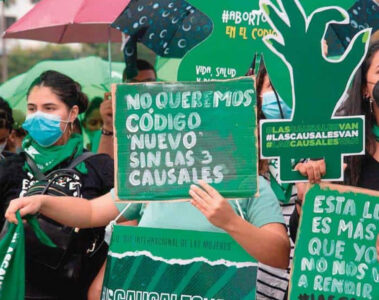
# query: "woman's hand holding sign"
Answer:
x=213 y=206
x=263 y=243
x=313 y=170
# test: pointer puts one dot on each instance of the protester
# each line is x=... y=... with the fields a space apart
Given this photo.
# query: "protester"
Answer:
x=92 y=124
x=361 y=171
x=6 y=125
x=272 y=283
x=17 y=134
x=146 y=73
x=262 y=234
x=53 y=103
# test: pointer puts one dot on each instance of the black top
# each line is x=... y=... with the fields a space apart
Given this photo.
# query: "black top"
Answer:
x=369 y=179
x=15 y=181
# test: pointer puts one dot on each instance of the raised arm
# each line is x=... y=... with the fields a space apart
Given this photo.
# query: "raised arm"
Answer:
x=71 y=211
x=268 y=244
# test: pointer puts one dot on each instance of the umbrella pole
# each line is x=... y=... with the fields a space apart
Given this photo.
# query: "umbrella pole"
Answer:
x=109 y=54
x=4 y=58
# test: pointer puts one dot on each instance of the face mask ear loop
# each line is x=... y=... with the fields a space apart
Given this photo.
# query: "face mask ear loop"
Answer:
x=67 y=121
x=277 y=100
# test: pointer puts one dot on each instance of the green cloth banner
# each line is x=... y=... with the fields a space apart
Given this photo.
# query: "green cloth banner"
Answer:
x=168 y=136
x=168 y=264
x=12 y=257
x=335 y=254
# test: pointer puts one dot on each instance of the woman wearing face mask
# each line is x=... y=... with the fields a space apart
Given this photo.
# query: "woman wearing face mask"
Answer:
x=255 y=223
x=273 y=282
x=53 y=103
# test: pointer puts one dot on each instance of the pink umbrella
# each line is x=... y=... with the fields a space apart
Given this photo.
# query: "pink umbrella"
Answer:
x=70 y=21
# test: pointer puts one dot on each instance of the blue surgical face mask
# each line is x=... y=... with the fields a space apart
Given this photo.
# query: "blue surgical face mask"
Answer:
x=44 y=128
x=270 y=107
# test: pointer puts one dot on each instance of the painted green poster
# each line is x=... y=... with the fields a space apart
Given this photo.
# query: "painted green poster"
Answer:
x=166 y=264
x=335 y=254
x=170 y=135
x=318 y=85
x=238 y=29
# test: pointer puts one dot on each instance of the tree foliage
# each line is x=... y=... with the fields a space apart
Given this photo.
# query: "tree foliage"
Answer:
x=20 y=59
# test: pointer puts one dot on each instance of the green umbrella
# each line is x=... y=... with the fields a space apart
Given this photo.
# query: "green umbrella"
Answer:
x=91 y=72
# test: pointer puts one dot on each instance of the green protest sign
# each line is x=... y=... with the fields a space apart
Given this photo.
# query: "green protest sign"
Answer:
x=168 y=136
x=238 y=28
x=167 y=264
x=238 y=31
x=278 y=70
x=318 y=84
x=335 y=255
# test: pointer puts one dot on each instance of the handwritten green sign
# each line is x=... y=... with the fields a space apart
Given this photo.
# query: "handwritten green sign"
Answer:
x=168 y=136
x=166 y=264
x=318 y=84
x=335 y=254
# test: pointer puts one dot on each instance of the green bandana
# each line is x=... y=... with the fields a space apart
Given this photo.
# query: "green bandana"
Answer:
x=282 y=191
x=48 y=158
x=375 y=130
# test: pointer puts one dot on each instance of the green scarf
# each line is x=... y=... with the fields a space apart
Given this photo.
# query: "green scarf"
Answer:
x=375 y=130
x=48 y=158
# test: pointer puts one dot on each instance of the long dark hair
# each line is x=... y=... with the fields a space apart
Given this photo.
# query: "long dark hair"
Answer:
x=67 y=90
x=358 y=104
x=259 y=80
x=262 y=73
x=6 y=118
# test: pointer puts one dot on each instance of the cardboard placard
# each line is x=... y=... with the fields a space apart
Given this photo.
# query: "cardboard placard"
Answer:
x=335 y=254
x=168 y=136
x=167 y=264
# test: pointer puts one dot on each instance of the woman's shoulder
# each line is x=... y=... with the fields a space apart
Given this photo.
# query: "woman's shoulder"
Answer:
x=100 y=162
x=99 y=158
x=264 y=207
x=100 y=169
x=264 y=189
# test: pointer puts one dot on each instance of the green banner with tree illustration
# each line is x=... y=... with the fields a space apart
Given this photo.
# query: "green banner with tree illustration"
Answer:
x=166 y=264
x=170 y=135
x=335 y=254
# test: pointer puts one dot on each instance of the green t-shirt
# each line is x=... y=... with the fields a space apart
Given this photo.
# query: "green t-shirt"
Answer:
x=183 y=215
